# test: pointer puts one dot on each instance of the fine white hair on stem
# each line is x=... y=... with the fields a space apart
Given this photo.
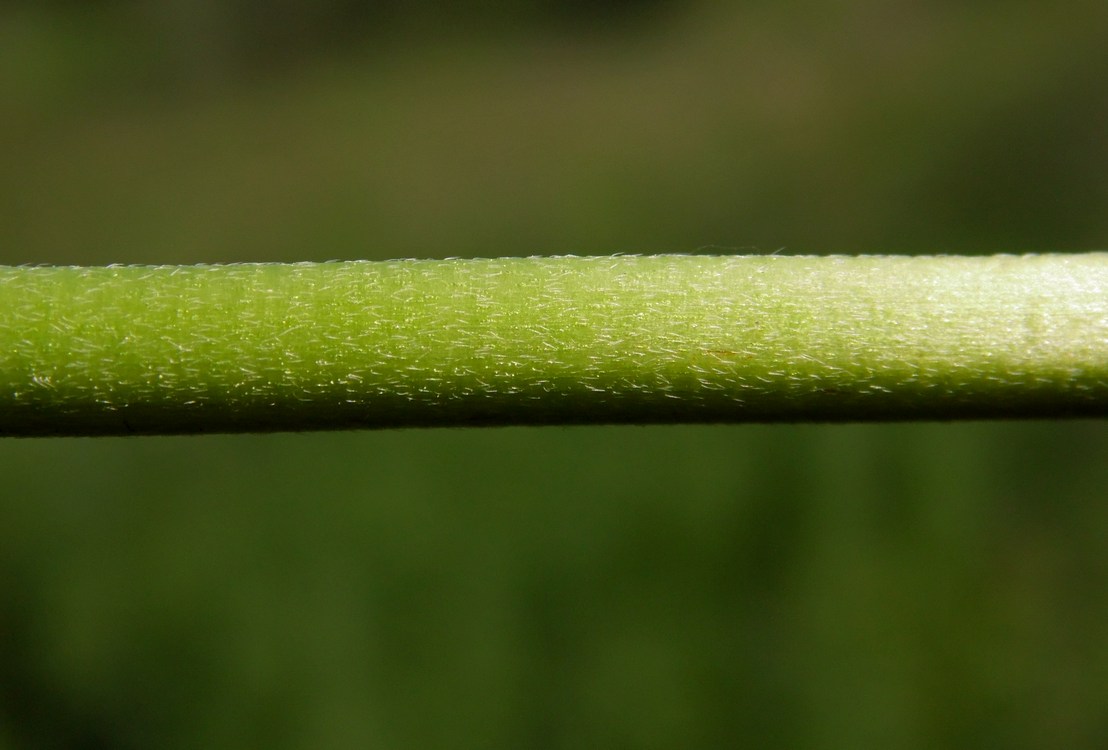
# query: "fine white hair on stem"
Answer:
x=668 y=338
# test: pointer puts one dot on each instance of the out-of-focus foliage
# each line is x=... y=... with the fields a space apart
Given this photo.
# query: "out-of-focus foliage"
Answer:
x=197 y=42
x=894 y=127
x=906 y=586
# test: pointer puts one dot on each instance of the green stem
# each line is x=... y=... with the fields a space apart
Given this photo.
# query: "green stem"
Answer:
x=176 y=349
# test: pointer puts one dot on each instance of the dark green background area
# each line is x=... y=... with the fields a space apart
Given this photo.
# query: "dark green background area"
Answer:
x=776 y=586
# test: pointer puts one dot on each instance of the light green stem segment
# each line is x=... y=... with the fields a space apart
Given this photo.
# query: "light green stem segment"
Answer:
x=177 y=349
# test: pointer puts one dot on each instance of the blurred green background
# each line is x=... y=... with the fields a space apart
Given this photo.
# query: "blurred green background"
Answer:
x=811 y=586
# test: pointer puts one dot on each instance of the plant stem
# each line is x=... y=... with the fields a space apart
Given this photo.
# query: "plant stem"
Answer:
x=257 y=347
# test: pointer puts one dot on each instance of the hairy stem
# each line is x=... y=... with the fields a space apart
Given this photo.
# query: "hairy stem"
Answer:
x=254 y=347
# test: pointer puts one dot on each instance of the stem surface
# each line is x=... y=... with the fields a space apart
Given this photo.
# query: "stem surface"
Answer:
x=256 y=347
